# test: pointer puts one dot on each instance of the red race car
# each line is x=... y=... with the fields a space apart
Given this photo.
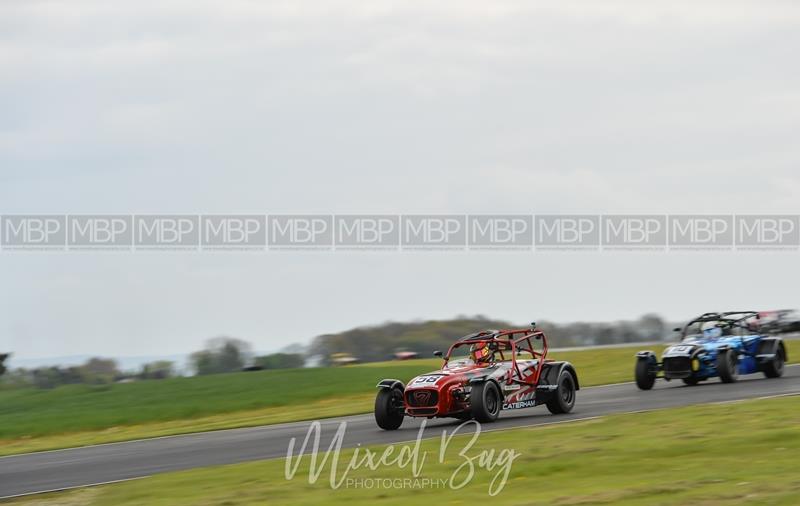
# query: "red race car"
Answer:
x=482 y=374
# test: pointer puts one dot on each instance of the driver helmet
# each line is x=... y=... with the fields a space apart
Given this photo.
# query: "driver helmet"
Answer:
x=480 y=352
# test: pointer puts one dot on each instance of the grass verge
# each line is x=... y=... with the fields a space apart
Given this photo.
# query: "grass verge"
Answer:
x=721 y=454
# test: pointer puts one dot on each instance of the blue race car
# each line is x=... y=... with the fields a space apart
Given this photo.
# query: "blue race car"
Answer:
x=715 y=344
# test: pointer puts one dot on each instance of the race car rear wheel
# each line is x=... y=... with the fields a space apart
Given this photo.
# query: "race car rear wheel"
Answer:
x=388 y=408
x=563 y=398
x=774 y=368
x=485 y=402
x=727 y=366
x=645 y=377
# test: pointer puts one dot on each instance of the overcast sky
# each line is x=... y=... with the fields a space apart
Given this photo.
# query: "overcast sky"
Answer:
x=396 y=107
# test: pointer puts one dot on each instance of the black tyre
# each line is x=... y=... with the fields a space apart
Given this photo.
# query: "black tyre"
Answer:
x=645 y=377
x=774 y=368
x=485 y=402
x=728 y=366
x=388 y=408
x=563 y=399
x=691 y=381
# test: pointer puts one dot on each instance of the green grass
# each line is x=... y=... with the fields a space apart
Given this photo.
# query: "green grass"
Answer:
x=33 y=412
x=723 y=454
x=32 y=420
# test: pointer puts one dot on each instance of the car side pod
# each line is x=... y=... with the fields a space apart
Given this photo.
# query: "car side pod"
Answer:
x=646 y=370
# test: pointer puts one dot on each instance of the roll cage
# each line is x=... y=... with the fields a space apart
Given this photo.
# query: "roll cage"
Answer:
x=513 y=341
x=731 y=319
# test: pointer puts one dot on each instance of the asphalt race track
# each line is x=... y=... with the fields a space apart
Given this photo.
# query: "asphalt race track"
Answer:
x=61 y=469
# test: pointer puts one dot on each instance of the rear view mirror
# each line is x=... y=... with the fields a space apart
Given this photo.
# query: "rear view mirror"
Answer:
x=437 y=353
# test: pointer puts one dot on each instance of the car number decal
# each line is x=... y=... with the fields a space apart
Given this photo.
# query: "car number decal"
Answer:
x=425 y=380
x=679 y=349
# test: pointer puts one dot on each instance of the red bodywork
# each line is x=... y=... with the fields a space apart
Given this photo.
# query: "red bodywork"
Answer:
x=445 y=392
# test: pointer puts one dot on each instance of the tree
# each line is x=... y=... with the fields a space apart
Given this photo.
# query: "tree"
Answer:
x=3 y=358
x=46 y=377
x=221 y=354
x=280 y=361
x=203 y=362
x=54 y=376
x=99 y=370
x=160 y=369
x=379 y=342
x=652 y=327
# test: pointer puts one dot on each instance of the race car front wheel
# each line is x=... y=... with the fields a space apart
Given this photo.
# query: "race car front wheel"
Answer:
x=563 y=398
x=645 y=377
x=388 y=411
x=485 y=401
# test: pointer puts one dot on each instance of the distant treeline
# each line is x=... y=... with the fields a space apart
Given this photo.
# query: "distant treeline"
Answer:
x=380 y=342
x=227 y=354
x=95 y=371
x=220 y=355
x=366 y=344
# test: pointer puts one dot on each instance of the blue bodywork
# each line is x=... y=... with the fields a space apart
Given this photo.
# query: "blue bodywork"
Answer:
x=746 y=346
x=699 y=355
